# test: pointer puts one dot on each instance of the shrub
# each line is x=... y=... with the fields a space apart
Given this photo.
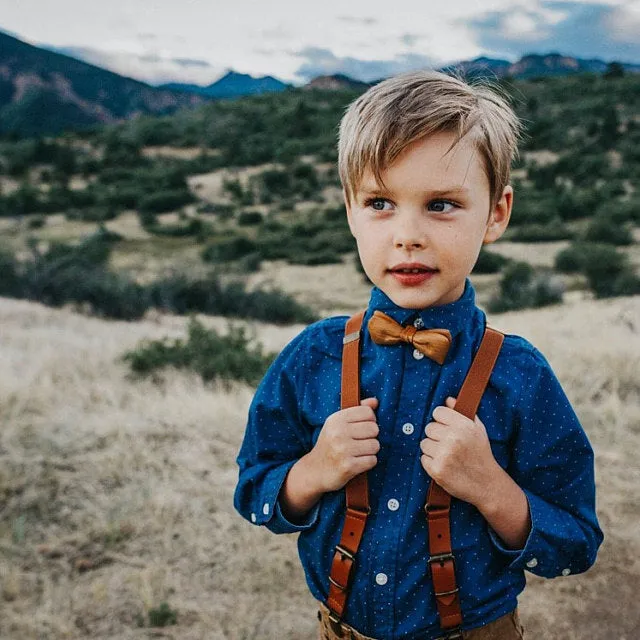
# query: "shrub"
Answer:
x=226 y=249
x=489 y=262
x=550 y=232
x=10 y=280
x=604 y=230
x=247 y=218
x=521 y=287
x=168 y=200
x=609 y=272
x=213 y=356
x=571 y=259
x=162 y=616
x=178 y=294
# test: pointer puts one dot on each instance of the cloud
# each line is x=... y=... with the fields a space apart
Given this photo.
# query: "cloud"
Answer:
x=149 y=67
x=357 y=20
x=410 y=39
x=319 y=62
x=583 y=30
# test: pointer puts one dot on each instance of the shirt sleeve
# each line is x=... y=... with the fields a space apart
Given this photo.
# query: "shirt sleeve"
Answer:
x=276 y=436
x=553 y=463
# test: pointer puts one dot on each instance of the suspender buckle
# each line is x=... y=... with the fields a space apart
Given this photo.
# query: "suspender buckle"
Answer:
x=438 y=594
x=452 y=634
x=441 y=558
x=345 y=553
x=350 y=337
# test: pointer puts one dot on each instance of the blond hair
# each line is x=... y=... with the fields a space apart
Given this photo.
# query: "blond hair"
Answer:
x=393 y=114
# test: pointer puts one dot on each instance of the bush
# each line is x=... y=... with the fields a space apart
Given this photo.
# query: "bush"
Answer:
x=178 y=294
x=489 y=262
x=10 y=280
x=521 y=287
x=165 y=201
x=571 y=259
x=213 y=356
x=550 y=232
x=162 y=616
x=606 y=231
x=248 y=218
x=227 y=249
x=609 y=272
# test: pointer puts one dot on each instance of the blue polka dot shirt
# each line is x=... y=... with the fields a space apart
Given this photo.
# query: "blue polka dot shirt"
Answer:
x=534 y=434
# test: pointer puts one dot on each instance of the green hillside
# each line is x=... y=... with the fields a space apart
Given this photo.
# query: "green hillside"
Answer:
x=234 y=183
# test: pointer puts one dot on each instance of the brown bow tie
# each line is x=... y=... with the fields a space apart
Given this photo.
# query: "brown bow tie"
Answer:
x=434 y=343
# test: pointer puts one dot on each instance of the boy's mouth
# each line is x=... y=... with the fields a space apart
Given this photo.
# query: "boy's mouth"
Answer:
x=412 y=267
x=412 y=274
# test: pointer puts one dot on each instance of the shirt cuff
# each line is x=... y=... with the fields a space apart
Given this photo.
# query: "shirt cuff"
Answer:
x=537 y=555
x=269 y=512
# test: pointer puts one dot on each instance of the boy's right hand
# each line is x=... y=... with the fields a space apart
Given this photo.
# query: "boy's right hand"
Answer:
x=347 y=445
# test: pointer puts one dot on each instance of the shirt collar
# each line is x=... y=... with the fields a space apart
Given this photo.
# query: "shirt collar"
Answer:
x=453 y=316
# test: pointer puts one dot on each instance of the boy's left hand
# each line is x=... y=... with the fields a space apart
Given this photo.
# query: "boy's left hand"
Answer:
x=457 y=454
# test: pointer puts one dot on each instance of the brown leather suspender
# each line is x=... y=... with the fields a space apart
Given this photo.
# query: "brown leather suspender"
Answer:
x=438 y=503
x=357 y=489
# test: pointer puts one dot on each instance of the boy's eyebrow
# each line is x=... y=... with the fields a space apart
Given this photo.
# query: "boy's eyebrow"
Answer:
x=435 y=193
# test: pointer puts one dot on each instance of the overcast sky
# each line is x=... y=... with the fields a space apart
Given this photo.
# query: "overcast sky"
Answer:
x=199 y=40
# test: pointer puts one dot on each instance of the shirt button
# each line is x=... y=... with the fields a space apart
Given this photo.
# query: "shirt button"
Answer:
x=407 y=428
x=393 y=504
x=418 y=355
x=532 y=563
x=253 y=518
x=418 y=324
x=265 y=509
x=566 y=572
x=381 y=578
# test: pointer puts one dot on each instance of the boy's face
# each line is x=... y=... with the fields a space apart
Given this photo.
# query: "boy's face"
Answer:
x=434 y=216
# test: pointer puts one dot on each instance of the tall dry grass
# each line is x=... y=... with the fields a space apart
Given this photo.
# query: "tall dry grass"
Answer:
x=116 y=495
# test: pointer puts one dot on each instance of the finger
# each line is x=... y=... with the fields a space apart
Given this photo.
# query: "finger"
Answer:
x=446 y=415
x=450 y=402
x=370 y=402
x=434 y=430
x=428 y=447
x=364 y=430
x=365 y=448
x=359 y=414
x=364 y=463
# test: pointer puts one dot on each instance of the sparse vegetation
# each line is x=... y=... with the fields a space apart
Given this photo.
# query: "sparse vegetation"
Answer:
x=521 y=287
x=211 y=355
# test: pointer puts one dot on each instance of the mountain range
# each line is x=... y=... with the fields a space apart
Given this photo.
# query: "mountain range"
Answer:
x=46 y=92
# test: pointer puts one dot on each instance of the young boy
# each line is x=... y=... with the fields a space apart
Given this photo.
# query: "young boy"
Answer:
x=424 y=161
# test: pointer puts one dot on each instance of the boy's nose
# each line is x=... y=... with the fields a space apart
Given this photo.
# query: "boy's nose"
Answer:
x=409 y=235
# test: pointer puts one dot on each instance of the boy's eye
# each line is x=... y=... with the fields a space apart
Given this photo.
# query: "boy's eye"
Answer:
x=441 y=206
x=376 y=203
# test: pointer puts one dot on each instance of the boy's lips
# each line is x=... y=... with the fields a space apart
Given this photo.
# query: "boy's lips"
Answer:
x=412 y=267
x=412 y=273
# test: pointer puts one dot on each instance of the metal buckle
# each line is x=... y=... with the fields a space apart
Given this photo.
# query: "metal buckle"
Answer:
x=435 y=508
x=350 y=337
x=453 y=634
x=339 y=586
x=334 y=622
x=345 y=553
x=447 y=593
x=441 y=557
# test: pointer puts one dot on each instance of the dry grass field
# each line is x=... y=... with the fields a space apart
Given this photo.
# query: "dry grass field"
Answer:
x=116 y=495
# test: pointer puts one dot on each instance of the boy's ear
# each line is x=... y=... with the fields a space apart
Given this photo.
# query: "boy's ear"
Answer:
x=499 y=216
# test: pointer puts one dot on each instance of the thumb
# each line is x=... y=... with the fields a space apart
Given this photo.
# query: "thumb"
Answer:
x=450 y=402
x=370 y=402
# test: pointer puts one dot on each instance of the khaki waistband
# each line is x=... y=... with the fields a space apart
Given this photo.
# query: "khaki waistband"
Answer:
x=507 y=627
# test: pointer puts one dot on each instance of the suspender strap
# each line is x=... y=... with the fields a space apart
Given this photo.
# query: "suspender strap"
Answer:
x=438 y=506
x=357 y=489
x=438 y=503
